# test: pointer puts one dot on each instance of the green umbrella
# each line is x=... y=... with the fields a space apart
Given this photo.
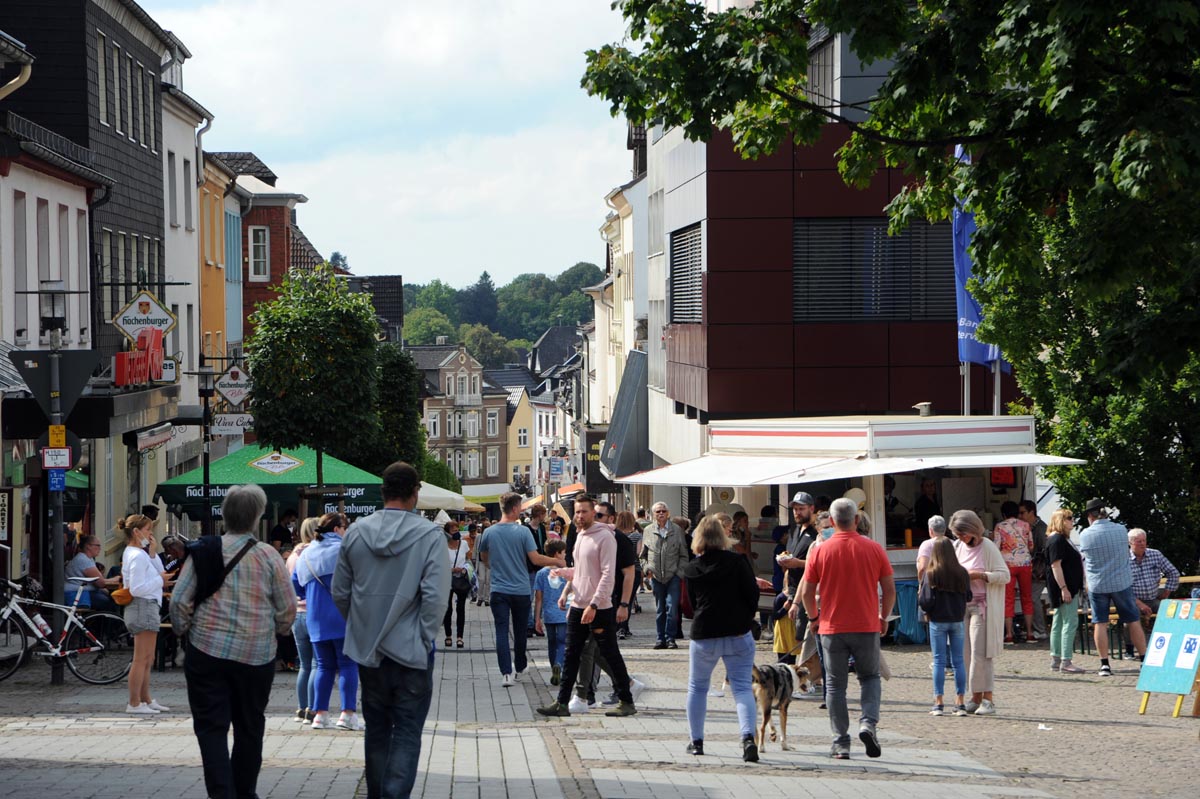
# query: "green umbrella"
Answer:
x=281 y=474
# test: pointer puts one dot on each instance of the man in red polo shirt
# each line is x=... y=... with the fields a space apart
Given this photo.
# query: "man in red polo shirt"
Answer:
x=848 y=570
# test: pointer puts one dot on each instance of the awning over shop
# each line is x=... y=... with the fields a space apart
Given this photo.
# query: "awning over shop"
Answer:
x=529 y=503
x=433 y=497
x=627 y=444
x=570 y=490
x=485 y=493
x=1003 y=459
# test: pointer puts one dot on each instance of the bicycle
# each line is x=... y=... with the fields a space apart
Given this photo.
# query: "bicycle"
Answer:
x=97 y=648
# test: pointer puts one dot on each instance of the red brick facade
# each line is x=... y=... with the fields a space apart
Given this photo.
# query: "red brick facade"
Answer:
x=277 y=220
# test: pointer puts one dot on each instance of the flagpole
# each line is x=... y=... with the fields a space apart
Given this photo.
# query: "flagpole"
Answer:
x=996 y=387
x=964 y=371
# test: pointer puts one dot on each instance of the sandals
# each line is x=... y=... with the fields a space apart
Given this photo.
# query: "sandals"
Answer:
x=460 y=643
x=448 y=643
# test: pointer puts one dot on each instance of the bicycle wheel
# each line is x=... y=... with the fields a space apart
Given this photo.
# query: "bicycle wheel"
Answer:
x=12 y=646
x=106 y=663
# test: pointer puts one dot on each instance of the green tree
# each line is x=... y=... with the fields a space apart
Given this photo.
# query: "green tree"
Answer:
x=441 y=297
x=525 y=306
x=1080 y=122
x=424 y=325
x=400 y=412
x=581 y=275
x=312 y=359
x=411 y=290
x=436 y=473
x=478 y=303
x=573 y=309
x=338 y=261
x=489 y=348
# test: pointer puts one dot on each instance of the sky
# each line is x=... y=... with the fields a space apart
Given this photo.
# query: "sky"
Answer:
x=432 y=139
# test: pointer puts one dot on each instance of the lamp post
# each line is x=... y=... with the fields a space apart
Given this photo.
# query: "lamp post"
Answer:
x=207 y=379
x=52 y=310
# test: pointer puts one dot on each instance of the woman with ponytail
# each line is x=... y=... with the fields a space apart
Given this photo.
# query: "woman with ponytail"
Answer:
x=142 y=575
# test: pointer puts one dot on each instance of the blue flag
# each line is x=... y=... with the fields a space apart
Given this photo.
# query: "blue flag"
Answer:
x=970 y=348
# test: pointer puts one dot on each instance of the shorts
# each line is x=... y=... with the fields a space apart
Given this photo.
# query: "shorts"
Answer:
x=142 y=616
x=1127 y=609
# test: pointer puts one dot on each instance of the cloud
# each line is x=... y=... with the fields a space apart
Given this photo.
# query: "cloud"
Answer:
x=529 y=201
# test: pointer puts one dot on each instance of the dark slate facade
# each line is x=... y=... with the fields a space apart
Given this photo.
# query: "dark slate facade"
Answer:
x=112 y=106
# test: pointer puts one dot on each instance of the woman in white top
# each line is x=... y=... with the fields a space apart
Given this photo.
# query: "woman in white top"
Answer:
x=142 y=574
x=459 y=555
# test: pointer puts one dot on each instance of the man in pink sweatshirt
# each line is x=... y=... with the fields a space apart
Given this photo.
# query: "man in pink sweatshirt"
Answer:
x=592 y=612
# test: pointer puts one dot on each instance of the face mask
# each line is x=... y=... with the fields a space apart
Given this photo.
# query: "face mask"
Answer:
x=456 y=536
x=291 y=527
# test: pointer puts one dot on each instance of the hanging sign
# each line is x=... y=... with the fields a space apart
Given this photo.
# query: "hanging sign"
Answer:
x=234 y=385
x=231 y=424
x=144 y=311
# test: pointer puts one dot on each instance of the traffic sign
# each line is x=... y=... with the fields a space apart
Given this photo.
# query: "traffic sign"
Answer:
x=57 y=479
x=143 y=311
x=75 y=370
x=234 y=385
x=231 y=424
x=58 y=435
x=56 y=458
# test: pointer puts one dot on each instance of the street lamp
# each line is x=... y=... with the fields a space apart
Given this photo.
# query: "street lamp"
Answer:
x=207 y=380
x=52 y=310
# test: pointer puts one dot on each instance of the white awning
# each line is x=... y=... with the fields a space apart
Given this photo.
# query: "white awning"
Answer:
x=849 y=467
x=717 y=469
x=1000 y=459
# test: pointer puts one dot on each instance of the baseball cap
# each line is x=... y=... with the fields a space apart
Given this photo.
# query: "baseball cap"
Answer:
x=803 y=498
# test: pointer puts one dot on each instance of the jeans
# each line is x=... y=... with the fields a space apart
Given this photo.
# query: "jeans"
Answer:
x=330 y=658
x=941 y=635
x=516 y=608
x=839 y=647
x=604 y=630
x=737 y=651
x=1062 y=631
x=304 y=648
x=556 y=642
x=221 y=693
x=591 y=663
x=666 y=598
x=532 y=577
x=456 y=598
x=396 y=701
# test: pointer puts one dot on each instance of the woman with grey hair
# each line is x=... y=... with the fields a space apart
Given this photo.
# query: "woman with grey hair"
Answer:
x=232 y=598
x=984 y=623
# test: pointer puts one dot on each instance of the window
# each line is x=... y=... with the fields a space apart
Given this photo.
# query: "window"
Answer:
x=874 y=276
x=106 y=275
x=821 y=84
x=151 y=82
x=189 y=190
x=462 y=384
x=134 y=263
x=432 y=424
x=122 y=277
x=21 y=266
x=190 y=331
x=102 y=74
x=472 y=425
x=457 y=424
x=129 y=96
x=493 y=462
x=474 y=384
x=458 y=464
x=654 y=224
x=684 y=286
x=172 y=189
x=154 y=261
x=473 y=463
x=83 y=282
x=449 y=386
x=43 y=239
x=116 y=74
x=522 y=436
x=175 y=332
x=260 y=258
x=493 y=424
x=141 y=106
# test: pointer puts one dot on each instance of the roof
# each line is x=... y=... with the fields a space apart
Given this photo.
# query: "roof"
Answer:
x=554 y=347
x=265 y=191
x=431 y=356
x=514 y=399
x=10 y=378
x=248 y=164
x=167 y=38
x=13 y=50
x=512 y=378
x=48 y=146
x=387 y=295
x=187 y=102
x=304 y=255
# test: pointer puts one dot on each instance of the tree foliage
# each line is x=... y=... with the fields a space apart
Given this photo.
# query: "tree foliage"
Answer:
x=434 y=472
x=401 y=430
x=441 y=297
x=312 y=359
x=489 y=348
x=478 y=304
x=424 y=325
x=1080 y=122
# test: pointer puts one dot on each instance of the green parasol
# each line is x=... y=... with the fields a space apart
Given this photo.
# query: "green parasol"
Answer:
x=281 y=474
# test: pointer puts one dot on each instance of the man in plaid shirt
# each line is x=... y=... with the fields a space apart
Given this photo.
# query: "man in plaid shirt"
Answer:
x=1149 y=568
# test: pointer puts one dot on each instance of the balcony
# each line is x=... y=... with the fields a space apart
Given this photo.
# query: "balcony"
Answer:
x=468 y=399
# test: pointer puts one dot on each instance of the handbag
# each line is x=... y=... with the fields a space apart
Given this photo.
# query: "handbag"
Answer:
x=121 y=596
x=459 y=582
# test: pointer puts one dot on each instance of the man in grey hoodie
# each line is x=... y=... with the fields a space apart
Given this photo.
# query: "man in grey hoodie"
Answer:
x=391 y=584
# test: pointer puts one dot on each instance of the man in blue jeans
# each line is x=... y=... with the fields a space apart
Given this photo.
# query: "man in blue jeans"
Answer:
x=391 y=583
x=666 y=555
x=507 y=549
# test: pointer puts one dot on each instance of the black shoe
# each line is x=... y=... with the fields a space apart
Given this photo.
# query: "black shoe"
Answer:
x=660 y=645
x=749 y=750
x=622 y=635
x=867 y=736
x=672 y=645
x=695 y=748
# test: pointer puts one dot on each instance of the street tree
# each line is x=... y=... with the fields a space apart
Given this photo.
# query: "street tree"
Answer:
x=434 y=472
x=424 y=325
x=312 y=357
x=401 y=430
x=1078 y=121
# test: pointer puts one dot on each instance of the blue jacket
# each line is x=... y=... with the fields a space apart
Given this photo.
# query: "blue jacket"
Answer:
x=313 y=580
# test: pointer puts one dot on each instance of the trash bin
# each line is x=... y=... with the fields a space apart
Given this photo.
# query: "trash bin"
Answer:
x=909 y=629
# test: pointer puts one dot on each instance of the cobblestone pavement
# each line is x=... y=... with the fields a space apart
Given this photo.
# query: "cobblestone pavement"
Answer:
x=1053 y=736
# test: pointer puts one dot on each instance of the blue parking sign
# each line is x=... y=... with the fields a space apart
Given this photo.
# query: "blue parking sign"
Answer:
x=57 y=479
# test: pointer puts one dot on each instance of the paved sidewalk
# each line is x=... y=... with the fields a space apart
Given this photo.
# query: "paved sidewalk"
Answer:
x=485 y=741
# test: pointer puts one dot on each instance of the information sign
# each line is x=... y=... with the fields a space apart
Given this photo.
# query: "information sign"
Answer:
x=231 y=424
x=58 y=435
x=1172 y=650
x=56 y=458
x=56 y=479
x=234 y=385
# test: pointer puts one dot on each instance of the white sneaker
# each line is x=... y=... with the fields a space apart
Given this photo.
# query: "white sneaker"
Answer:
x=986 y=708
x=154 y=705
x=577 y=705
x=636 y=687
x=140 y=710
x=716 y=692
x=508 y=681
x=321 y=722
x=520 y=674
x=351 y=721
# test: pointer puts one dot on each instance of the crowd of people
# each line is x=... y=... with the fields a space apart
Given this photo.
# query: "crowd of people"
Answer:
x=363 y=603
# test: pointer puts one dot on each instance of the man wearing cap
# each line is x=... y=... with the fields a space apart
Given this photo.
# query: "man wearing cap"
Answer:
x=1105 y=549
x=800 y=536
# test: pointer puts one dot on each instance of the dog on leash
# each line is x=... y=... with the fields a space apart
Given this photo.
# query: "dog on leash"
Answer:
x=773 y=686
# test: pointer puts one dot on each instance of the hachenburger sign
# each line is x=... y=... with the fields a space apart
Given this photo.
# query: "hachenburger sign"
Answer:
x=144 y=311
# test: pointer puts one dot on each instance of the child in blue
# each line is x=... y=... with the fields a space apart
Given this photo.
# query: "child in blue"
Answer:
x=549 y=618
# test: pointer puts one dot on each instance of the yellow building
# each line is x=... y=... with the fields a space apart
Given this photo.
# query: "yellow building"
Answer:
x=520 y=435
x=217 y=180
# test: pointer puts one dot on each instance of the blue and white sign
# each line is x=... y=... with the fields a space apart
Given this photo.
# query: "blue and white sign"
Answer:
x=556 y=467
x=1173 y=649
x=57 y=479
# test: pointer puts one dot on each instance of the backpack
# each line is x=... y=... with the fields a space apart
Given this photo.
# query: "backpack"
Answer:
x=209 y=565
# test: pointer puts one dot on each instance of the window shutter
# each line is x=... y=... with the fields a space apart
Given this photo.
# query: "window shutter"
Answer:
x=852 y=269
x=686 y=276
